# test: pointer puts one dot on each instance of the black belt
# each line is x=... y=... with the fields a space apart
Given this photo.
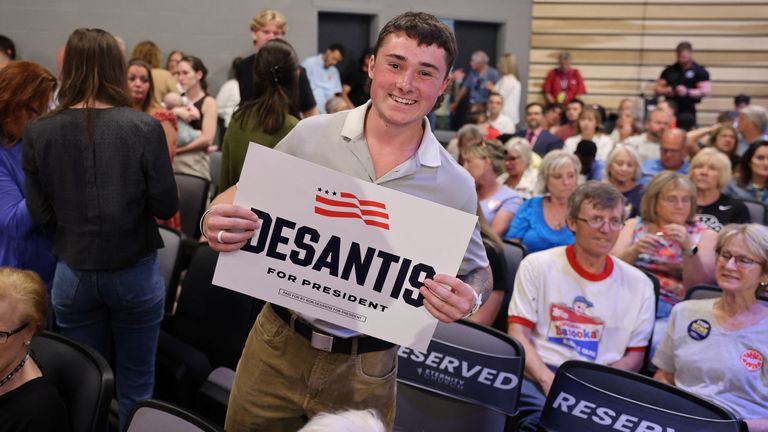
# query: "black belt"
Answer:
x=325 y=342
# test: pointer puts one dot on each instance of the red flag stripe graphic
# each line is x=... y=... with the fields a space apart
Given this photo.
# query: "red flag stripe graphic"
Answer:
x=337 y=203
x=330 y=213
x=364 y=202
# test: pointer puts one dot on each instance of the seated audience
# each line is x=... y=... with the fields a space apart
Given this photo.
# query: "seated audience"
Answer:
x=647 y=144
x=710 y=171
x=562 y=293
x=589 y=126
x=541 y=222
x=467 y=135
x=752 y=124
x=336 y=104
x=488 y=314
x=508 y=86
x=627 y=125
x=672 y=158
x=29 y=402
x=172 y=62
x=626 y=104
x=591 y=168
x=572 y=113
x=193 y=157
x=726 y=139
x=498 y=202
x=496 y=117
x=25 y=90
x=541 y=140
x=716 y=348
x=623 y=171
x=751 y=180
x=162 y=80
x=266 y=119
x=670 y=108
x=520 y=174
x=697 y=139
x=668 y=241
x=553 y=117
x=140 y=86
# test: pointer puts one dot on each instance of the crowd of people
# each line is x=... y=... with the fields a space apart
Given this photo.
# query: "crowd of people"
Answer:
x=603 y=206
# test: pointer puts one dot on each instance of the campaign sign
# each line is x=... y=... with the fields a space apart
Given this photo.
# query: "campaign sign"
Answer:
x=575 y=405
x=486 y=379
x=341 y=249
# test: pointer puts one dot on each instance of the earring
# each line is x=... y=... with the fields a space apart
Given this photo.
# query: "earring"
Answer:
x=763 y=284
x=27 y=343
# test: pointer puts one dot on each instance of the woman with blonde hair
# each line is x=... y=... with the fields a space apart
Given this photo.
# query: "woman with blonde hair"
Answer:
x=589 y=126
x=540 y=223
x=98 y=172
x=668 y=240
x=623 y=170
x=163 y=80
x=508 y=86
x=28 y=401
x=710 y=171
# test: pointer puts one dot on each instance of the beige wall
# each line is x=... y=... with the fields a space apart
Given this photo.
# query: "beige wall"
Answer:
x=621 y=46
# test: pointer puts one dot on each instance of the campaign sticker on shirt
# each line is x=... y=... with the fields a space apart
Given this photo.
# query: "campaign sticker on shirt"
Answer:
x=492 y=204
x=699 y=329
x=752 y=360
x=689 y=73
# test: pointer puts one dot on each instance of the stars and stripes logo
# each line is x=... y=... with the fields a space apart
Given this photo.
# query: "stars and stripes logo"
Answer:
x=347 y=205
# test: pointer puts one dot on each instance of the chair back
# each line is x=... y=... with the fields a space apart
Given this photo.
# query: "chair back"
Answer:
x=159 y=416
x=703 y=291
x=592 y=397
x=82 y=377
x=469 y=379
x=214 y=167
x=213 y=319
x=513 y=255
x=193 y=197
x=169 y=258
x=758 y=211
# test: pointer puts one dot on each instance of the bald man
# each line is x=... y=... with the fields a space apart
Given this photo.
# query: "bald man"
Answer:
x=672 y=150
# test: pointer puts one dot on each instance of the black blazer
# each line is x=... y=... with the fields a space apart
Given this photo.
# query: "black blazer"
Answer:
x=101 y=194
x=545 y=143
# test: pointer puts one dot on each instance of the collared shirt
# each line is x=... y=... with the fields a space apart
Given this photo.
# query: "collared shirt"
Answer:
x=475 y=84
x=646 y=149
x=533 y=134
x=325 y=81
x=337 y=141
x=503 y=124
x=652 y=167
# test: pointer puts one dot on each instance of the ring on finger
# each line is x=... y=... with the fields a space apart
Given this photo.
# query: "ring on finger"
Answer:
x=218 y=236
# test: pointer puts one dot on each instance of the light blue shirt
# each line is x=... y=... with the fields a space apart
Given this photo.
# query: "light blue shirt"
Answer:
x=652 y=167
x=325 y=82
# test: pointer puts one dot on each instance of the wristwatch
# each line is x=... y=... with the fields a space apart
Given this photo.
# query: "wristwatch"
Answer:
x=478 y=303
x=693 y=251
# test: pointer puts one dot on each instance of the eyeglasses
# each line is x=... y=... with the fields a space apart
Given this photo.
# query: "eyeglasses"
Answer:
x=512 y=158
x=673 y=200
x=5 y=335
x=742 y=261
x=597 y=223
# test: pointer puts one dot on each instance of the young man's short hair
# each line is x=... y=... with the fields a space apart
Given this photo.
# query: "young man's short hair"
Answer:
x=426 y=29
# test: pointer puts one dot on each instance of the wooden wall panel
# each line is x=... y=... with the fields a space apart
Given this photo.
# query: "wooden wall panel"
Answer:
x=621 y=46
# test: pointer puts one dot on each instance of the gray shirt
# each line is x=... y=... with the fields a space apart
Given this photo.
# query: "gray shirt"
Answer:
x=726 y=367
x=337 y=141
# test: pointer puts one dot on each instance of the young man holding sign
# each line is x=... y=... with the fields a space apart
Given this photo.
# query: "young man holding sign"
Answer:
x=284 y=373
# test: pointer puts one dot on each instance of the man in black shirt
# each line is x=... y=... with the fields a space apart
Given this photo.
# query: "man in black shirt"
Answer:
x=686 y=82
x=267 y=25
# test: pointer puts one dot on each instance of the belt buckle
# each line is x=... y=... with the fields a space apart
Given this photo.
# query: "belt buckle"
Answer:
x=321 y=341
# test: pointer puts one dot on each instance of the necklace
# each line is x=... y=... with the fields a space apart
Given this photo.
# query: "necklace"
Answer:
x=14 y=371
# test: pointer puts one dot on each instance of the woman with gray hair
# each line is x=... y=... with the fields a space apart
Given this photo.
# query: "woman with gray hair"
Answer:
x=734 y=326
x=710 y=171
x=520 y=175
x=540 y=223
x=623 y=170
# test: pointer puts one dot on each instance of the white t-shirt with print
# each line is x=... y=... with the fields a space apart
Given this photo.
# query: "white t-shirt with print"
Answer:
x=575 y=315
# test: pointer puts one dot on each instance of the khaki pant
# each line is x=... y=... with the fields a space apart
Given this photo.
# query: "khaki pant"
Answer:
x=280 y=378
